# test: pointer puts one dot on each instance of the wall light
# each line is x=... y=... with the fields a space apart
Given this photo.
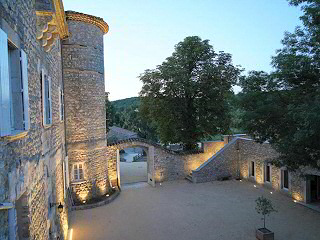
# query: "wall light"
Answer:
x=255 y=186
x=295 y=201
x=60 y=206
x=270 y=192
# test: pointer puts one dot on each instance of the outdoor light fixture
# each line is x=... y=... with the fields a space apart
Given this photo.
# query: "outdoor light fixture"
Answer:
x=240 y=180
x=270 y=192
x=160 y=184
x=294 y=201
x=107 y=195
x=254 y=185
x=60 y=206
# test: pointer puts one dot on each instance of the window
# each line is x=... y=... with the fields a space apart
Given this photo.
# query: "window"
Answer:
x=78 y=171
x=46 y=98
x=285 y=179
x=14 y=97
x=268 y=173
x=61 y=104
x=252 y=169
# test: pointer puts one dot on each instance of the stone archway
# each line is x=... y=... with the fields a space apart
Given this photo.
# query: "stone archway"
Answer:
x=114 y=160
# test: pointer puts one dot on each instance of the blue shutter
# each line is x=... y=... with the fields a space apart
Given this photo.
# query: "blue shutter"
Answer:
x=44 y=108
x=24 y=71
x=5 y=121
x=50 y=101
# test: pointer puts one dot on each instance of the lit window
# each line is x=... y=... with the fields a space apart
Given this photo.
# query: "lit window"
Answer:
x=46 y=98
x=14 y=97
x=78 y=171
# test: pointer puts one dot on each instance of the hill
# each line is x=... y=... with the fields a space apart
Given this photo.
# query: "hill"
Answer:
x=126 y=103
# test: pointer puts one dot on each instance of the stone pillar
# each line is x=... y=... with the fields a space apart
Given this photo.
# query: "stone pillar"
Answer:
x=84 y=92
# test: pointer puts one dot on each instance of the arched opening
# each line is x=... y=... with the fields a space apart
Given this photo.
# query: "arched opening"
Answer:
x=133 y=165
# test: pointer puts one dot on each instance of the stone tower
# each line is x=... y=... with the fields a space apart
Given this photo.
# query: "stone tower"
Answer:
x=84 y=96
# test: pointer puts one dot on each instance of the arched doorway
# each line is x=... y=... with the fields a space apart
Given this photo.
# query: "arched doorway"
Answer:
x=149 y=152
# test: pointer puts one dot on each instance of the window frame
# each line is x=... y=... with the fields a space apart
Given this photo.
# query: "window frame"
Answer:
x=76 y=167
x=282 y=179
x=252 y=171
x=266 y=173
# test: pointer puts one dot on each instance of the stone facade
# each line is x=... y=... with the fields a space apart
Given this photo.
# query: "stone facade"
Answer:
x=235 y=159
x=34 y=164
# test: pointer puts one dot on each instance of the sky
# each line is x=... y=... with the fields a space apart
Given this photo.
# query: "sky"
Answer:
x=143 y=33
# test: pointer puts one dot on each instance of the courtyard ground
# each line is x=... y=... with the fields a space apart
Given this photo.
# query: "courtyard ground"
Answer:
x=182 y=210
x=131 y=172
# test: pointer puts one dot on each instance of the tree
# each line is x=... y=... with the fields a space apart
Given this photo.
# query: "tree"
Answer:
x=284 y=107
x=185 y=96
x=264 y=206
x=110 y=112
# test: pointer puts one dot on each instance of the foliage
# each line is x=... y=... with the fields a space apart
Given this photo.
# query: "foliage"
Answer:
x=125 y=113
x=284 y=107
x=264 y=206
x=126 y=103
x=185 y=96
x=110 y=112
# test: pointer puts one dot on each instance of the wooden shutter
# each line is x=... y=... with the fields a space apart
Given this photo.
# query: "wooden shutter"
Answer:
x=5 y=120
x=44 y=108
x=24 y=73
x=60 y=102
x=16 y=87
x=47 y=103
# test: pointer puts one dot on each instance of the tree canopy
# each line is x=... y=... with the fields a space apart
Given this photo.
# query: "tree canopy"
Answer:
x=284 y=107
x=185 y=96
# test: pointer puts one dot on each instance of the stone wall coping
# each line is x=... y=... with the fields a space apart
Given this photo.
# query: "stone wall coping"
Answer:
x=145 y=141
x=212 y=141
x=98 y=204
x=216 y=155
x=86 y=18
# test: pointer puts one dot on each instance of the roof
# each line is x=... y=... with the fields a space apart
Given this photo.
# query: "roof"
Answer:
x=121 y=133
x=81 y=17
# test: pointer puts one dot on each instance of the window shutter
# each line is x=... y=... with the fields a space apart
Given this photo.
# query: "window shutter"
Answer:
x=59 y=89
x=24 y=71
x=50 y=101
x=5 y=121
x=44 y=107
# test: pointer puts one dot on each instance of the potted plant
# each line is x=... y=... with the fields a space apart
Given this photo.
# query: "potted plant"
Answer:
x=264 y=206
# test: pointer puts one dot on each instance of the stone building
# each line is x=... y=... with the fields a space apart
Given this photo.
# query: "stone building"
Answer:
x=52 y=129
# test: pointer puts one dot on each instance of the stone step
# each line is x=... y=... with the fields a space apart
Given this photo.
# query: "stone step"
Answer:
x=189 y=177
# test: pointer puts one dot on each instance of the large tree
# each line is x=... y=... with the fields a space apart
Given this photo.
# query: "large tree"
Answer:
x=284 y=107
x=185 y=96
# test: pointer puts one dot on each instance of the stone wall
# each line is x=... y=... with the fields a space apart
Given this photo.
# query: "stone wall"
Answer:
x=168 y=165
x=223 y=164
x=26 y=164
x=235 y=158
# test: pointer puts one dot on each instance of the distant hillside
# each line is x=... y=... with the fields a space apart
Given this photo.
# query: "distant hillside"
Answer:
x=126 y=103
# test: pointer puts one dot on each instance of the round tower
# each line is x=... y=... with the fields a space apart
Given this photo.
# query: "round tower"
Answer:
x=84 y=98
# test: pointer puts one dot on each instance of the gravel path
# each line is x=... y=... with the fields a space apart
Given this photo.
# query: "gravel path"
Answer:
x=182 y=210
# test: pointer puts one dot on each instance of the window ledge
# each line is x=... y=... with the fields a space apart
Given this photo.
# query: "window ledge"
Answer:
x=47 y=126
x=16 y=136
x=78 y=182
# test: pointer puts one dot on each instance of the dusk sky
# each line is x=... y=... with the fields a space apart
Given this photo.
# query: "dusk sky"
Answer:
x=143 y=33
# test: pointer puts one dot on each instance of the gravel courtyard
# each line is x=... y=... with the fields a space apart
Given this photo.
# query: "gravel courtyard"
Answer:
x=182 y=210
